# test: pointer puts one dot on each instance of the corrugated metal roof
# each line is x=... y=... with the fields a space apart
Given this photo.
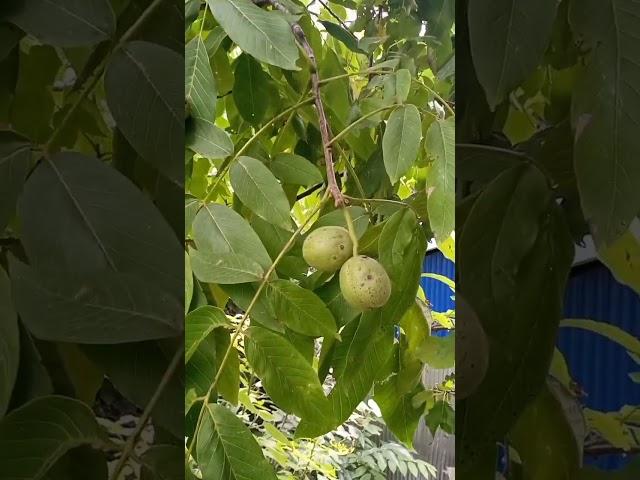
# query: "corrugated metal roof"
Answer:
x=599 y=365
x=438 y=294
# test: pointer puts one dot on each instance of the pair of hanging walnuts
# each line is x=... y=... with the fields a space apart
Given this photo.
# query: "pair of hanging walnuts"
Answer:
x=364 y=283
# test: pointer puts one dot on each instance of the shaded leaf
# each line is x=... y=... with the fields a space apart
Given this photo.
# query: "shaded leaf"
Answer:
x=606 y=142
x=65 y=23
x=15 y=159
x=229 y=383
x=108 y=308
x=144 y=90
x=199 y=324
x=80 y=215
x=251 y=92
x=55 y=425
x=9 y=343
x=136 y=369
x=345 y=36
x=508 y=40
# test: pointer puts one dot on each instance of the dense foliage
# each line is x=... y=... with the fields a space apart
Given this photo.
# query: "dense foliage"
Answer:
x=91 y=280
x=303 y=116
x=547 y=152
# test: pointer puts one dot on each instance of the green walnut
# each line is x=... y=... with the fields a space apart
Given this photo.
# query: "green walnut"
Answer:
x=327 y=248
x=472 y=350
x=364 y=283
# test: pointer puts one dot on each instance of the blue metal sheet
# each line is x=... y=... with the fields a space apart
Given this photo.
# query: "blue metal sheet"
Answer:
x=438 y=294
x=600 y=366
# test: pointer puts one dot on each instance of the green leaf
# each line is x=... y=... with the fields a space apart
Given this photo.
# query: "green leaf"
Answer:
x=188 y=283
x=623 y=259
x=345 y=36
x=227 y=450
x=55 y=426
x=9 y=343
x=286 y=376
x=34 y=378
x=301 y=310
x=65 y=23
x=251 y=92
x=163 y=462
x=206 y=139
x=336 y=218
x=441 y=416
x=242 y=294
x=440 y=146
x=136 y=370
x=438 y=352
x=403 y=85
x=264 y=35
x=144 y=92
x=401 y=251
x=15 y=159
x=527 y=254
x=398 y=412
x=401 y=141
x=224 y=268
x=508 y=40
x=366 y=347
x=332 y=297
x=295 y=170
x=202 y=367
x=218 y=229
x=199 y=85
x=199 y=324
x=259 y=191
x=80 y=215
x=544 y=422
x=606 y=139
x=613 y=333
x=229 y=383
x=104 y=309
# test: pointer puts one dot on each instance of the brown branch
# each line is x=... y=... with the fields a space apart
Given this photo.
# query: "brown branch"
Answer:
x=325 y=129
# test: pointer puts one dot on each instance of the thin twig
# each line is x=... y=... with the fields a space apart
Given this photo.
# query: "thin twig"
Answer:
x=245 y=317
x=325 y=129
x=131 y=442
x=357 y=122
x=227 y=162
